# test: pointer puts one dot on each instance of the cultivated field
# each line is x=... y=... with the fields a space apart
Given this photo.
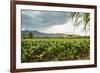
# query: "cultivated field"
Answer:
x=54 y=49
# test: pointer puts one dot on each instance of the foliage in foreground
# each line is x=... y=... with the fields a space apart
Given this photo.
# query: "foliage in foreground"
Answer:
x=40 y=50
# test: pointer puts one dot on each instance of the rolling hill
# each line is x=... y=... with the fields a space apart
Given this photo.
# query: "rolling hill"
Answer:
x=41 y=34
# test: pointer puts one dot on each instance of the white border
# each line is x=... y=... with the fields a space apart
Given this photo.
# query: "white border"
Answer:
x=20 y=65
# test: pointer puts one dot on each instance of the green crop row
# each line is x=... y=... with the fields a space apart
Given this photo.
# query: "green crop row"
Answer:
x=40 y=50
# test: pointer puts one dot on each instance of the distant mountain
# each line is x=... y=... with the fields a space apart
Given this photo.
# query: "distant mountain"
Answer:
x=41 y=34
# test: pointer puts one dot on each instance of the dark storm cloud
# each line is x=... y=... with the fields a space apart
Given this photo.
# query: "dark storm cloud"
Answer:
x=37 y=20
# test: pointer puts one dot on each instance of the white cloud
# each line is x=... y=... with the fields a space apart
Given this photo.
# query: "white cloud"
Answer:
x=67 y=28
x=59 y=28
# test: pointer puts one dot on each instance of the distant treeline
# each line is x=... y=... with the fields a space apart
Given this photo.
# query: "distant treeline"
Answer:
x=31 y=36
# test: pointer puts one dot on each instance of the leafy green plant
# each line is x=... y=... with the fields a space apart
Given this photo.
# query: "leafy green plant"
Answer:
x=40 y=50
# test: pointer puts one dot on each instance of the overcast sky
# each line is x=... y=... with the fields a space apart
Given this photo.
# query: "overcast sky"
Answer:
x=49 y=22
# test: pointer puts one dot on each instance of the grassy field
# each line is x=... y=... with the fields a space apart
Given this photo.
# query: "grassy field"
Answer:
x=55 y=49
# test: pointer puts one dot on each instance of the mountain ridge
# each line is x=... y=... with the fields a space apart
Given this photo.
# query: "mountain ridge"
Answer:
x=41 y=34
